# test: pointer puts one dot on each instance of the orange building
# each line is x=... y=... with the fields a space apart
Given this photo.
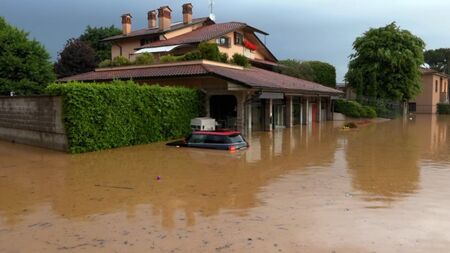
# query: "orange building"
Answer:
x=434 y=91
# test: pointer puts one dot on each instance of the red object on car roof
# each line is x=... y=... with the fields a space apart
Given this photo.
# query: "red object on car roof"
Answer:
x=221 y=133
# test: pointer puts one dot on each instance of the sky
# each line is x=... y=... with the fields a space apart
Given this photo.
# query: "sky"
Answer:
x=321 y=30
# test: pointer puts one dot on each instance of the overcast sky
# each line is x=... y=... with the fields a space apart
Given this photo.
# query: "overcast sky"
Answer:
x=302 y=29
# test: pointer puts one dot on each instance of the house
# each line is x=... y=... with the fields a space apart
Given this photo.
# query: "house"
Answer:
x=254 y=98
x=434 y=91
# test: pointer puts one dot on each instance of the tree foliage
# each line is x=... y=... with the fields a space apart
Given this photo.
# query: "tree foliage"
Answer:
x=94 y=36
x=25 y=66
x=240 y=60
x=323 y=73
x=386 y=64
x=295 y=68
x=438 y=59
x=144 y=59
x=77 y=57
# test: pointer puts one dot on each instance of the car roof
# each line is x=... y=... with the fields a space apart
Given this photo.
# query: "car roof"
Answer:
x=224 y=133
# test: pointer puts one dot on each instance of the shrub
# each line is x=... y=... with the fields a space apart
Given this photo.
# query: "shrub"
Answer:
x=209 y=51
x=105 y=64
x=192 y=56
x=354 y=109
x=168 y=58
x=443 y=108
x=224 y=57
x=240 y=60
x=144 y=59
x=101 y=116
x=120 y=61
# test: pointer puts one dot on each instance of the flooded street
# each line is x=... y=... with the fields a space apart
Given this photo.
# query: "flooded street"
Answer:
x=384 y=187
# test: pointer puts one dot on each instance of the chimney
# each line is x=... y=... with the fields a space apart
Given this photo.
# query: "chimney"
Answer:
x=187 y=13
x=126 y=23
x=151 y=16
x=165 y=19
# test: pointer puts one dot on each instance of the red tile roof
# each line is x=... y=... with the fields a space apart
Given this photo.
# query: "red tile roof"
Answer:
x=155 y=31
x=204 y=33
x=251 y=77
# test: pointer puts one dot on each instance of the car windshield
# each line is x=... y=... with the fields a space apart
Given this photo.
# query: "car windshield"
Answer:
x=236 y=138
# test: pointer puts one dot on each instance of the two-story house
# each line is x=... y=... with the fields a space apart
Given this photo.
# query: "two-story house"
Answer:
x=254 y=98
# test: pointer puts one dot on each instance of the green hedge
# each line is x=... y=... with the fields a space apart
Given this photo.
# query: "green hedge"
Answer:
x=443 y=108
x=102 y=116
x=354 y=109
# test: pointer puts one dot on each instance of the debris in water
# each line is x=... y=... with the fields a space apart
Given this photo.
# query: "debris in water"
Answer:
x=158 y=178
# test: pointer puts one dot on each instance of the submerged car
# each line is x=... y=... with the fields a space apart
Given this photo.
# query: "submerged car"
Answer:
x=225 y=140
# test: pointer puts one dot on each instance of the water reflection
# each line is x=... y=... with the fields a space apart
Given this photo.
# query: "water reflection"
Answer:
x=382 y=160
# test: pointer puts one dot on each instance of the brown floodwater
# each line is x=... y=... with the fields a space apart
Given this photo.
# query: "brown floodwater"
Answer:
x=384 y=187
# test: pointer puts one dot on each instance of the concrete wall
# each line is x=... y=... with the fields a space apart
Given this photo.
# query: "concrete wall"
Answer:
x=434 y=91
x=35 y=120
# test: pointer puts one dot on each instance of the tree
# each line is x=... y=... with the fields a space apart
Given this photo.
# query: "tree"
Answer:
x=25 y=66
x=323 y=73
x=386 y=64
x=295 y=68
x=95 y=35
x=77 y=57
x=438 y=59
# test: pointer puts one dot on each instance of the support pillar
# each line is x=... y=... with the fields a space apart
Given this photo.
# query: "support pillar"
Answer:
x=301 y=112
x=207 y=105
x=268 y=115
x=306 y=112
x=289 y=109
x=319 y=109
x=240 y=117
x=249 y=116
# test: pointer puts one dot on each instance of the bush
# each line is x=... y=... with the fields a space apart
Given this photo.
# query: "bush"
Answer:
x=240 y=60
x=120 y=61
x=224 y=57
x=443 y=108
x=105 y=64
x=209 y=51
x=354 y=109
x=169 y=58
x=144 y=59
x=102 y=116
x=192 y=56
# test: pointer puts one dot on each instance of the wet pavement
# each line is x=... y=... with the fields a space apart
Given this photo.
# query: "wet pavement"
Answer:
x=380 y=188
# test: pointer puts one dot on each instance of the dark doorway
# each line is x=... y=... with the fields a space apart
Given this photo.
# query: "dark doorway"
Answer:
x=223 y=108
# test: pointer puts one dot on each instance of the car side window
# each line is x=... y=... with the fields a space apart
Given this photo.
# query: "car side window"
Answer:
x=217 y=139
x=197 y=138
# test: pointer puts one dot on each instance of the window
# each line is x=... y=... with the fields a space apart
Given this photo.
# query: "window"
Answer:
x=216 y=139
x=223 y=41
x=236 y=138
x=147 y=41
x=238 y=39
x=197 y=138
x=436 y=86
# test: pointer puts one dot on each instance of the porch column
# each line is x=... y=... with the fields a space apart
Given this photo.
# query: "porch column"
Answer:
x=249 y=116
x=329 y=112
x=306 y=111
x=319 y=109
x=268 y=120
x=240 y=117
x=207 y=105
x=289 y=109
x=301 y=111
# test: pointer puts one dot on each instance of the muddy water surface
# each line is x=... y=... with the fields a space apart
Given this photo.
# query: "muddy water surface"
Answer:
x=382 y=188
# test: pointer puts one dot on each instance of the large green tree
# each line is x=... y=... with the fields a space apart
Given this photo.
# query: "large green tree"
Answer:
x=77 y=57
x=25 y=66
x=295 y=68
x=95 y=35
x=438 y=59
x=386 y=64
x=323 y=73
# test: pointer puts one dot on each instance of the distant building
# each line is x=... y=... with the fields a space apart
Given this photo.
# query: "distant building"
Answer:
x=349 y=93
x=254 y=98
x=434 y=91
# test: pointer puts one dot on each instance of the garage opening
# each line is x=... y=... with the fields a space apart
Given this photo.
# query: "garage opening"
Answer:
x=223 y=108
